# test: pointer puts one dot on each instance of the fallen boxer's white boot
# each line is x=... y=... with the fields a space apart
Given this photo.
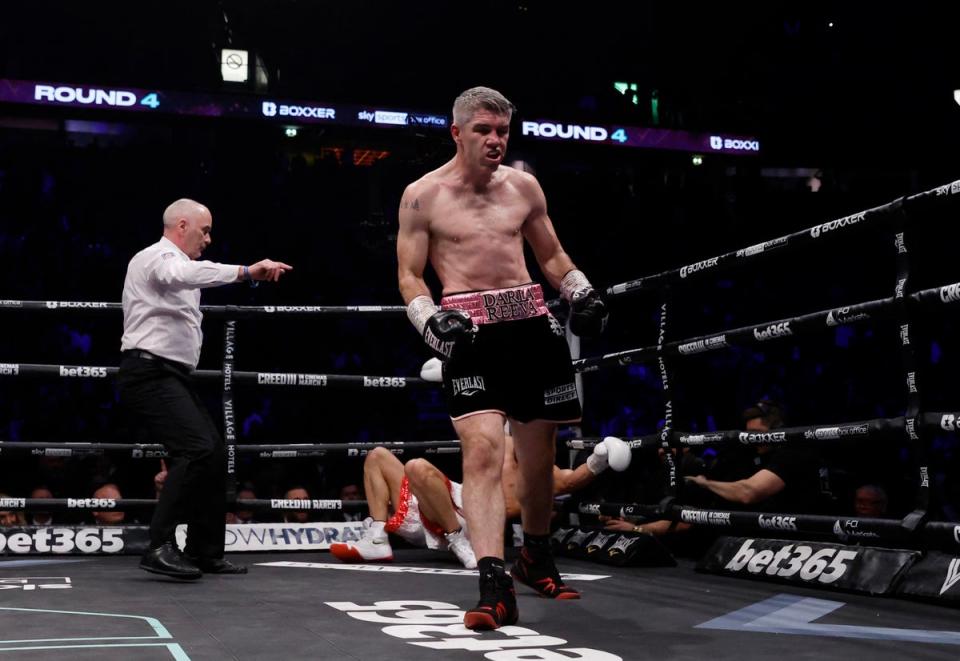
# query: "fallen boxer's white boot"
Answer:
x=374 y=545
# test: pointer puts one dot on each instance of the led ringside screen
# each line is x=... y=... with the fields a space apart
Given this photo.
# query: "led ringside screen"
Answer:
x=209 y=105
x=312 y=112
x=635 y=136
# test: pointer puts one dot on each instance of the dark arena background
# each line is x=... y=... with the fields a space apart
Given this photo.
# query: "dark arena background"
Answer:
x=766 y=196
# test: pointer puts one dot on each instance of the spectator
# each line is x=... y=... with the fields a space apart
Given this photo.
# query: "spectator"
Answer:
x=108 y=491
x=782 y=478
x=10 y=518
x=870 y=501
x=296 y=516
x=243 y=516
x=41 y=518
x=350 y=492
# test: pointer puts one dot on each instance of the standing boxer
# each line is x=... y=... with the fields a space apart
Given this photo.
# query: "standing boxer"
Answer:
x=506 y=356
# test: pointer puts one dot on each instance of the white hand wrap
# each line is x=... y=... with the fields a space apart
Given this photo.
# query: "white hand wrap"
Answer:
x=574 y=281
x=419 y=311
x=597 y=461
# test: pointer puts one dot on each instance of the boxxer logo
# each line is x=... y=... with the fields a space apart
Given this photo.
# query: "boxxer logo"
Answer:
x=698 y=266
x=762 y=437
x=817 y=230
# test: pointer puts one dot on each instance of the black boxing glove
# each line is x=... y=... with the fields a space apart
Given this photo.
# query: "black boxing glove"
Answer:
x=441 y=329
x=588 y=312
x=445 y=329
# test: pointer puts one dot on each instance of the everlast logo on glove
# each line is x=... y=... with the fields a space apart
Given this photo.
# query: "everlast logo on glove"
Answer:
x=445 y=329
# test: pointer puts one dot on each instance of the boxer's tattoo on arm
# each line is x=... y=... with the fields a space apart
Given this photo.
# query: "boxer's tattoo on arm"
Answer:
x=416 y=204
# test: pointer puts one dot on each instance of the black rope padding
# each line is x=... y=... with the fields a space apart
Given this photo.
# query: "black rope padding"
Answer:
x=843 y=527
x=286 y=451
x=286 y=379
x=232 y=311
x=883 y=308
x=874 y=429
x=663 y=362
x=915 y=436
x=277 y=450
x=229 y=417
x=123 y=504
x=877 y=428
x=942 y=534
x=816 y=234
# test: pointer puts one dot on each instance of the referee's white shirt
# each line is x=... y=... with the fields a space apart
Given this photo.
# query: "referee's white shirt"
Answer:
x=161 y=301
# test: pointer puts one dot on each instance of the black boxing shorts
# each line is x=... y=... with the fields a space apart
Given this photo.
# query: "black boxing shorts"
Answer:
x=518 y=363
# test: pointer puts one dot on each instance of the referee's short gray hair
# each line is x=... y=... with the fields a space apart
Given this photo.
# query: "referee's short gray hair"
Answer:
x=182 y=208
x=480 y=98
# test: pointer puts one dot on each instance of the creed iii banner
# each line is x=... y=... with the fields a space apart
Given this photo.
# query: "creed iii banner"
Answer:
x=858 y=568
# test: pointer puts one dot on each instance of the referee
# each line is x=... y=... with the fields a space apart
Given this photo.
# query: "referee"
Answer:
x=161 y=347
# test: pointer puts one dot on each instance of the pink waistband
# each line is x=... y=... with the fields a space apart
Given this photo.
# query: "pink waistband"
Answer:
x=494 y=305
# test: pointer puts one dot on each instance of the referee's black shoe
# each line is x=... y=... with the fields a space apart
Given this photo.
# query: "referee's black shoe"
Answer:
x=217 y=565
x=167 y=560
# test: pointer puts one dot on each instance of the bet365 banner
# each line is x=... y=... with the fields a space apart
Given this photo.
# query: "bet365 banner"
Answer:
x=74 y=540
x=858 y=568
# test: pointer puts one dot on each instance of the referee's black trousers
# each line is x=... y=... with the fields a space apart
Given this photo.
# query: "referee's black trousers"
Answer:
x=161 y=396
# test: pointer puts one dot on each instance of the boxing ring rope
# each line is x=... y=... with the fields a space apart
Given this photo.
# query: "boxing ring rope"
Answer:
x=227 y=375
x=328 y=381
x=268 y=451
x=901 y=307
x=766 y=331
x=230 y=311
x=126 y=504
x=816 y=234
x=873 y=429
